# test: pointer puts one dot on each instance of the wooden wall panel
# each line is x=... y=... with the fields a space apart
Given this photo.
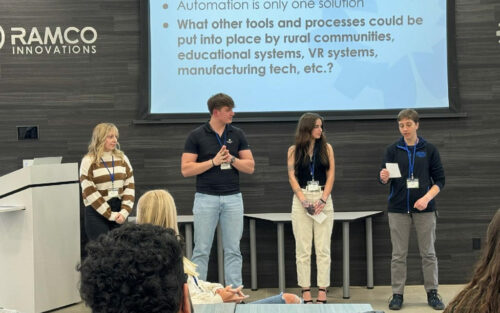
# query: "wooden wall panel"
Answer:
x=66 y=95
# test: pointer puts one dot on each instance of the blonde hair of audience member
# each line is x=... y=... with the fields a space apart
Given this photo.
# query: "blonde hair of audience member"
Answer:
x=157 y=207
x=482 y=293
x=99 y=134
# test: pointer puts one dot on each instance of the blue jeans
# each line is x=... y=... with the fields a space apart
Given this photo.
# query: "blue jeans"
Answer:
x=277 y=299
x=209 y=210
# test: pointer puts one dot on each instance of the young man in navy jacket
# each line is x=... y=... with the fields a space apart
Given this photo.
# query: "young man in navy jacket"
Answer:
x=411 y=200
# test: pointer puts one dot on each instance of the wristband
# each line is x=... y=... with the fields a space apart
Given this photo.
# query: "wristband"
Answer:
x=321 y=199
x=213 y=164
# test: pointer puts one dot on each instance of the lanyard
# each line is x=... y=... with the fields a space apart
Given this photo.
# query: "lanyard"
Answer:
x=113 y=164
x=311 y=165
x=219 y=139
x=411 y=161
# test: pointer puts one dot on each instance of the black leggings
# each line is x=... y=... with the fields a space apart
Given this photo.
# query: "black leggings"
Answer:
x=96 y=224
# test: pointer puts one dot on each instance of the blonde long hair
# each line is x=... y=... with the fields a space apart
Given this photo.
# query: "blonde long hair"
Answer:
x=157 y=207
x=96 y=146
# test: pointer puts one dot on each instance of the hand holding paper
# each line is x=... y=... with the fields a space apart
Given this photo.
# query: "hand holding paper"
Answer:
x=393 y=169
x=319 y=218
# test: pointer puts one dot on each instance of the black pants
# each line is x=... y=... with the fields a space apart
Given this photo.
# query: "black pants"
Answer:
x=96 y=224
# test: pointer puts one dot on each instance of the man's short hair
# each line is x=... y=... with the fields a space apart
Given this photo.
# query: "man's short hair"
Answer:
x=219 y=101
x=408 y=114
x=134 y=268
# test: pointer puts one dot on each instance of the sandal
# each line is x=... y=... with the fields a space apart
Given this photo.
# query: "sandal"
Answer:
x=325 y=291
x=306 y=290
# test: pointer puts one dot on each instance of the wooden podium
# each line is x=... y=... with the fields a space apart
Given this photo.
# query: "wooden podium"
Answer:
x=39 y=238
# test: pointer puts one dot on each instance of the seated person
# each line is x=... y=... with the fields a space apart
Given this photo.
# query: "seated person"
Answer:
x=158 y=207
x=482 y=293
x=135 y=268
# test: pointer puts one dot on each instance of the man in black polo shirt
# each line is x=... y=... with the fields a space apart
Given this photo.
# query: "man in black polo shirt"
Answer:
x=216 y=152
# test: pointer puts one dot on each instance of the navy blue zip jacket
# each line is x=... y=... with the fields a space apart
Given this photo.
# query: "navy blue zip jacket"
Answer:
x=428 y=169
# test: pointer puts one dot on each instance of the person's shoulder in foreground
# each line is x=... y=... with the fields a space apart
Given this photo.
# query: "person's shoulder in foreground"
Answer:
x=135 y=268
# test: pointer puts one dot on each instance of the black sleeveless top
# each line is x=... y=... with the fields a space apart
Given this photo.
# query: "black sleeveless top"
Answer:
x=303 y=173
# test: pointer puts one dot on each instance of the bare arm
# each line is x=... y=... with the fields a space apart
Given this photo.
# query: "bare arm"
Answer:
x=244 y=162
x=189 y=166
x=291 y=174
x=330 y=178
x=330 y=174
x=421 y=204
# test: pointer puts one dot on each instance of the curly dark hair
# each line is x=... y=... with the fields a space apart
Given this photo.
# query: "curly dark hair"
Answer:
x=134 y=268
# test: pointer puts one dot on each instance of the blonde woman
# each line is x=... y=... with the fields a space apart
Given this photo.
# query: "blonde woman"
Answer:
x=107 y=182
x=157 y=207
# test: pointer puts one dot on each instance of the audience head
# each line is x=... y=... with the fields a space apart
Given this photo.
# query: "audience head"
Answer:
x=135 y=268
x=481 y=294
x=157 y=207
x=491 y=252
x=218 y=101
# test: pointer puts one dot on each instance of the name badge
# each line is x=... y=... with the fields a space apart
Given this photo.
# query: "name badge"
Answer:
x=412 y=183
x=225 y=166
x=113 y=192
x=312 y=185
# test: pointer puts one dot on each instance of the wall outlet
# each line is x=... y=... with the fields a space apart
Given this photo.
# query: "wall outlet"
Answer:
x=476 y=243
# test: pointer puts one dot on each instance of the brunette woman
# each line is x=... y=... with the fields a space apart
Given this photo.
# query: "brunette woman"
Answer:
x=311 y=172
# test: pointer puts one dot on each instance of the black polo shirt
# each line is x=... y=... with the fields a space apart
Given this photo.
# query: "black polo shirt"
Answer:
x=203 y=142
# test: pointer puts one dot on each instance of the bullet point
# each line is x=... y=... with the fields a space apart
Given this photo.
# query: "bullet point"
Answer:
x=165 y=25
x=165 y=6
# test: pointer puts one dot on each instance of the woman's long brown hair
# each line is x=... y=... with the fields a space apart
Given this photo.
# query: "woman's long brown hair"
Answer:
x=303 y=140
x=482 y=293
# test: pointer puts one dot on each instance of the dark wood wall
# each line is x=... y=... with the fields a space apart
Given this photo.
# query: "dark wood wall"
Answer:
x=66 y=95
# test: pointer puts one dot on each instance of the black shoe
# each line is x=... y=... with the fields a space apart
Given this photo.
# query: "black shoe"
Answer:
x=434 y=300
x=306 y=301
x=321 y=301
x=396 y=302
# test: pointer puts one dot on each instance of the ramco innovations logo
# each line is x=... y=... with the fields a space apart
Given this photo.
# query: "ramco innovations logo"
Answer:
x=49 y=40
